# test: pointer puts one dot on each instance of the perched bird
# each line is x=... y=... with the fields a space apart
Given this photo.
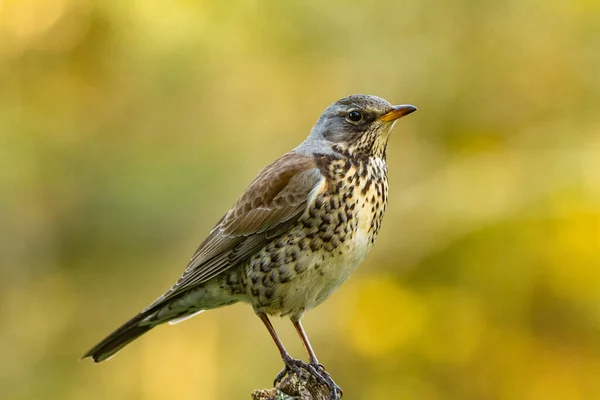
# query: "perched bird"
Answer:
x=298 y=231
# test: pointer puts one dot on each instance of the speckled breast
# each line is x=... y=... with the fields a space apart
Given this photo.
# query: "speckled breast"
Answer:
x=300 y=269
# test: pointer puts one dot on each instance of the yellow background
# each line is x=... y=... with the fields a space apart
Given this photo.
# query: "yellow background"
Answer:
x=127 y=128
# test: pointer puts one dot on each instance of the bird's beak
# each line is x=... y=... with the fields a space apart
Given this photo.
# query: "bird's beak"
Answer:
x=397 y=112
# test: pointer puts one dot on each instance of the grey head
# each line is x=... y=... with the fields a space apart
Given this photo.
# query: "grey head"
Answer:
x=357 y=125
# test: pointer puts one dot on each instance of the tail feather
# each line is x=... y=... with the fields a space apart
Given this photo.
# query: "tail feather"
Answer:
x=114 y=342
x=157 y=314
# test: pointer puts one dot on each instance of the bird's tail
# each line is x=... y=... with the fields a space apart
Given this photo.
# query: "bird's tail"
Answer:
x=114 y=342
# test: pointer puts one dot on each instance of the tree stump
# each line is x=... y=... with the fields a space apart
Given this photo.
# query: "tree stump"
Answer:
x=296 y=387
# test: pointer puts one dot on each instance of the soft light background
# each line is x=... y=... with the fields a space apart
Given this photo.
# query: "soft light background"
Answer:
x=128 y=128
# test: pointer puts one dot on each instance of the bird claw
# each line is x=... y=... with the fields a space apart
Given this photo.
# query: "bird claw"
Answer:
x=290 y=366
x=325 y=378
x=317 y=371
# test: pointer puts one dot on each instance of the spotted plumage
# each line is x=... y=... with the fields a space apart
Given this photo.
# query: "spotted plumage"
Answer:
x=298 y=270
x=298 y=231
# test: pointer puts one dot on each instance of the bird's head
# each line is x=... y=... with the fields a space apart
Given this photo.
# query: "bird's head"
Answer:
x=357 y=125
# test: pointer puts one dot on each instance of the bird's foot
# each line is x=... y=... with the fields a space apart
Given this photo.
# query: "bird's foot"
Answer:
x=328 y=380
x=316 y=370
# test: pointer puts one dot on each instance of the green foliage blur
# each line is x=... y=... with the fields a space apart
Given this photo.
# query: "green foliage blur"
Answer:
x=128 y=128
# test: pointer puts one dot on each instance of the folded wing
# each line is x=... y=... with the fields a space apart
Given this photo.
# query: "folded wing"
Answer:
x=273 y=202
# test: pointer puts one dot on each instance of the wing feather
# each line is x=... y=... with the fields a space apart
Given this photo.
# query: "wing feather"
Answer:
x=276 y=198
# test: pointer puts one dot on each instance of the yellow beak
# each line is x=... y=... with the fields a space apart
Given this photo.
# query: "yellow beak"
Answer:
x=398 y=112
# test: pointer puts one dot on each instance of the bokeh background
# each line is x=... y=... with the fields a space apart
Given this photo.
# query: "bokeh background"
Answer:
x=128 y=128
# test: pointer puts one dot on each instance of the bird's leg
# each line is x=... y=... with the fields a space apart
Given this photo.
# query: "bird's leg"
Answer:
x=296 y=366
x=291 y=364
x=312 y=358
x=317 y=369
x=278 y=342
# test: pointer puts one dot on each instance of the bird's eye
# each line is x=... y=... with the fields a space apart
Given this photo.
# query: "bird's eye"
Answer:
x=355 y=116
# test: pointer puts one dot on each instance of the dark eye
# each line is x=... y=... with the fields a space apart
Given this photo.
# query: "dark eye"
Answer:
x=355 y=116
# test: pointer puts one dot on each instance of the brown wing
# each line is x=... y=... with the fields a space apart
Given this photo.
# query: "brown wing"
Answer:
x=272 y=203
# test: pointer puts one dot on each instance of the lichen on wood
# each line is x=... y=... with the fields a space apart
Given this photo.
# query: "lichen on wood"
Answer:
x=294 y=386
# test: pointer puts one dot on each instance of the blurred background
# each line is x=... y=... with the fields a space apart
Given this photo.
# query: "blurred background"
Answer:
x=128 y=128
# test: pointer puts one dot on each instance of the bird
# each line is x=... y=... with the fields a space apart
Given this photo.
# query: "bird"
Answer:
x=297 y=232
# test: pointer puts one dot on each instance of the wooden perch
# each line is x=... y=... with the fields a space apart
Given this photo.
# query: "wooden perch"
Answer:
x=296 y=387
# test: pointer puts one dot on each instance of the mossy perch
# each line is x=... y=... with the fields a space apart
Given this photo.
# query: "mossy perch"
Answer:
x=296 y=387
